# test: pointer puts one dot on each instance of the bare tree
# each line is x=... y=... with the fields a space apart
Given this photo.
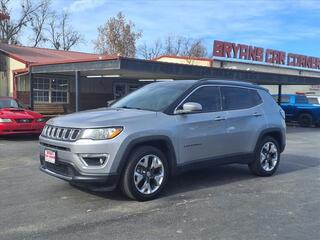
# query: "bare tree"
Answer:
x=117 y=37
x=194 y=48
x=174 y=45
x=152 y=52
x=61 y=33
x=181 y=46
x=38 y=23
x=10 y=28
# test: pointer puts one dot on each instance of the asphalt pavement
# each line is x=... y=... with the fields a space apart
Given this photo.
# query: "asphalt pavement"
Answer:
x=225 y=202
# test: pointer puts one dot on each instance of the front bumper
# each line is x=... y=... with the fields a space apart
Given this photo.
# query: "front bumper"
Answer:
x=21 y=128
x=70 y=167
x=69 y=173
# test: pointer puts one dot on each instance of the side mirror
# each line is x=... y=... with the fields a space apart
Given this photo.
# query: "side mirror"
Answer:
x=189 y=107
x=110 y=102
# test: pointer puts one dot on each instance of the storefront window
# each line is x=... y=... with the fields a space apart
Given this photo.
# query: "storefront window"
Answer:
x=122 y=89
x=51 y=90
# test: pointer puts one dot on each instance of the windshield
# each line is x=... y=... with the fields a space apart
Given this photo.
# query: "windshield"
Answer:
x=154 y=96
x=8 y=103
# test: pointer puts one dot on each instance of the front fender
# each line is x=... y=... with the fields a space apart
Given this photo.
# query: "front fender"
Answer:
x=131 y=142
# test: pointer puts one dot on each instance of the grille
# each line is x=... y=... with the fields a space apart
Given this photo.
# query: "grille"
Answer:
x=60 y=133
x=23 y=120
x=54 y=146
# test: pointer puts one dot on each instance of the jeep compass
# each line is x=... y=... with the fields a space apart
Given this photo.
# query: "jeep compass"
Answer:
x=162 y=129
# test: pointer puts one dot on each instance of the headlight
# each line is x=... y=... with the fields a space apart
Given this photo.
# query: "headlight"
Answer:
x=41 y=120
x=5 y=120
x=101 y=133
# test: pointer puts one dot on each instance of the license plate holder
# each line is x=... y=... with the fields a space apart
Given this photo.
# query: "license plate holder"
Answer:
x=50 y=156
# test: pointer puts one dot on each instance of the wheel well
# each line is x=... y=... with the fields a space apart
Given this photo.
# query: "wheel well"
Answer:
x=305 y=113
x=276 y=135
x=162 y=145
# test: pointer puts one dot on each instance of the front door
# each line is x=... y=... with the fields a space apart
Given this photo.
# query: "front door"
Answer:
x=202 y=135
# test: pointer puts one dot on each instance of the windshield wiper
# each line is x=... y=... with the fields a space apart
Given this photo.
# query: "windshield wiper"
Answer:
x=126 y=107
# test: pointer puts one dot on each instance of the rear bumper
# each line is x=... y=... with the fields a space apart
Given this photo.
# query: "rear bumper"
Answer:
x=69 y=173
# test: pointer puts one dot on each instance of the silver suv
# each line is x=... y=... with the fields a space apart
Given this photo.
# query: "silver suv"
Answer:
x=162 y=129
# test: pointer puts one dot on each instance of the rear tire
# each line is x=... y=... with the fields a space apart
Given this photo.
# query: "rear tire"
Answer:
x=305 y=120
x=145 y=174
x=266 y=157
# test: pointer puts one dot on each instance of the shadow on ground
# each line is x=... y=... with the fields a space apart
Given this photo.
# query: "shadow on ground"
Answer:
x=217 y=176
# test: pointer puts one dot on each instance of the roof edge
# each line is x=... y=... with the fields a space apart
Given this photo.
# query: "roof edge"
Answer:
x=183 y=57
x=89 y=59
x=13 y=56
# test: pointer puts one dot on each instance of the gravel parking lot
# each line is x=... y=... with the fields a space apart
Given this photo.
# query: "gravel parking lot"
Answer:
x=219 y=203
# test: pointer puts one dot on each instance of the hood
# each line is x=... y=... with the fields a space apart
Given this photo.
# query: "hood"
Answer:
x=18 y=113
x=102 y=117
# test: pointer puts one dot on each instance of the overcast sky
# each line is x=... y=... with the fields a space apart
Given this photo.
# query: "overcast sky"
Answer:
x=288 y=25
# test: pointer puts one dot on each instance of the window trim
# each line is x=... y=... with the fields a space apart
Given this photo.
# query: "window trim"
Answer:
x=219 y=86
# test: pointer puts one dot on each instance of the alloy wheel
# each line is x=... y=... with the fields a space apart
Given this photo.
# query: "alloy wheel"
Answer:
x=269 y=156
x=148 y=174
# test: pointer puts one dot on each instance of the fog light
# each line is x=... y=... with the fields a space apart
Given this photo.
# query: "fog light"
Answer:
x=94 y=160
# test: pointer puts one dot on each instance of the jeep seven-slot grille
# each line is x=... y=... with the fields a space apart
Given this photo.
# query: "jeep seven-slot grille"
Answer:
x=60 y=133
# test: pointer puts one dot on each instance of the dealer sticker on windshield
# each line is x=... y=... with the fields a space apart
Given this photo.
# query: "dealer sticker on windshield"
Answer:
x=49 y=156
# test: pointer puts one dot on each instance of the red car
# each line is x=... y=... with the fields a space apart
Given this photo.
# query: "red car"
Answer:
x=16 y=119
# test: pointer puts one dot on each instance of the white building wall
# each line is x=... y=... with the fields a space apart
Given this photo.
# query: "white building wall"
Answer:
x=289 y=89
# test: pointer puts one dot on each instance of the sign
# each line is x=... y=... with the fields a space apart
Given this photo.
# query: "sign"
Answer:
x=259 y=54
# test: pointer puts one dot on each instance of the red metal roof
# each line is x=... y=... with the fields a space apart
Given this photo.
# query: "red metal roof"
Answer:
x=30 y=55
x=88 y=59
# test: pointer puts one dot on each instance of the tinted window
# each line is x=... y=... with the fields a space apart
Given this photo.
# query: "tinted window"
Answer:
x=239 y=98
x=301 y=99
x=208 y=97
x=313 y=100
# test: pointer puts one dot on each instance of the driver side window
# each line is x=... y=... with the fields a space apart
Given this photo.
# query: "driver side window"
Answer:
x=208 y=97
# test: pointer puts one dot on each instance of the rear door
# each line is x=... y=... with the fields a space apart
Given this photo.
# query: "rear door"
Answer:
x=244 y=119
x=201 y=135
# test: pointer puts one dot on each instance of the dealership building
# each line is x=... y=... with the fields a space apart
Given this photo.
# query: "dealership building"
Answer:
x=56 y=82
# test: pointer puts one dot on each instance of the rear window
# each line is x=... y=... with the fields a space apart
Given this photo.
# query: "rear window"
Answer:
x=313 y=100
x=239 y=98
x=301 y=99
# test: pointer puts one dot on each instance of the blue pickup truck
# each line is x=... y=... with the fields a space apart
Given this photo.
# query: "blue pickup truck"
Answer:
x=298 y=109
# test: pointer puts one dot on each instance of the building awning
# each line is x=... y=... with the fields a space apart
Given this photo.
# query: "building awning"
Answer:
x=147 y=69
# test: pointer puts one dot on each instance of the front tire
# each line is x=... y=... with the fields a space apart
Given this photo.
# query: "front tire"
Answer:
x=267 y=157
x=146 y=174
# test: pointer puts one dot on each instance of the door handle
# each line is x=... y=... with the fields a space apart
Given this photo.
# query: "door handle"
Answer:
x=219 y=118
x=257 y=114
